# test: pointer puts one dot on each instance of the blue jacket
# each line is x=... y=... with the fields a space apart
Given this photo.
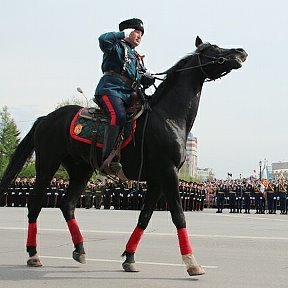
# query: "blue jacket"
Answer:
x=113 y=60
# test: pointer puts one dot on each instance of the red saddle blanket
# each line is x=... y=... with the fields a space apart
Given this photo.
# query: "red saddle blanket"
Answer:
x=81 y=129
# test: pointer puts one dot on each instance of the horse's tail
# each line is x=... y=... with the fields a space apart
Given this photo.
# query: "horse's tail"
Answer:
x=22 y=153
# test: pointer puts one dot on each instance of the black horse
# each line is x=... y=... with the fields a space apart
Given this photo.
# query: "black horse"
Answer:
x=174 y=108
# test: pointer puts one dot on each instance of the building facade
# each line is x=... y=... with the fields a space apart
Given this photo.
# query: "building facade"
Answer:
x=190 y=165
x=205 y=174
x=279 y=170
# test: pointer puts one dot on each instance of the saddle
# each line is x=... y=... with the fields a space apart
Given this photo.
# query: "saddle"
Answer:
x=92 y=113
x=88 y=126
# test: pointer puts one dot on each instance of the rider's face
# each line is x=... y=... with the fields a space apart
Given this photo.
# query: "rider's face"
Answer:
x=135 y=38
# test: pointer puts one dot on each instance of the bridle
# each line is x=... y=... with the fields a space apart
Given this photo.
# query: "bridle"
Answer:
x=214 y=60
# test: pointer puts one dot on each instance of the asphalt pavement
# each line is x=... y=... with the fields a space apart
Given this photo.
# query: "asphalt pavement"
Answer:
x=236 y=250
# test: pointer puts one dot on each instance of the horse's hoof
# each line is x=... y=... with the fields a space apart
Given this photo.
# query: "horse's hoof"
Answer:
x=129 y=267
x=79 y=257
x=196 y=270
x=34 y=262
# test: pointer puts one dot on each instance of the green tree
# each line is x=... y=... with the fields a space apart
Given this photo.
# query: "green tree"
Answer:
x=72 y=101
x=9 y=137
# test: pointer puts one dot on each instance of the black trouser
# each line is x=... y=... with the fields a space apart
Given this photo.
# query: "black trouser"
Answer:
x=220 y=202
x=247 y=202
x=271 y=202
x=282 y=202
x=258 y=204
x=239 y=203
x=232 y=202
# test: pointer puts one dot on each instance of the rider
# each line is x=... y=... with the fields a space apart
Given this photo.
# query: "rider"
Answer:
x=123 y=71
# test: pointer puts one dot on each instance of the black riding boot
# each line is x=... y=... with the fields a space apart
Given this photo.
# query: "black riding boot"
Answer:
x=110 y=136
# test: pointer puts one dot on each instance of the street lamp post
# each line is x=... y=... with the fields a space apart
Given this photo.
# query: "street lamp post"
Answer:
x=260 y=170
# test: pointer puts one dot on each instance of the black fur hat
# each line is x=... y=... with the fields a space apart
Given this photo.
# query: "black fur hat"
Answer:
x=133 y=23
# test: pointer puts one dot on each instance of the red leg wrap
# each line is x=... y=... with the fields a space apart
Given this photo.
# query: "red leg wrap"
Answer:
x=184 y=242
x=32 y=232
x=75 y=231
x=134 y=240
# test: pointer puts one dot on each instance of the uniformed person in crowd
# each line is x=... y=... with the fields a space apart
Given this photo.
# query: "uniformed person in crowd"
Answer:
x=192 y=193
x=249 y=189
x=88 y=195
x=117 y=194
x=263 y=199
x=133 y=198
x=30 y=188
x=210 y=193
x=97 y=195
x=239 y=196
x=282 y=192
x=202 y=197
x=62 y=186
x=107 y=194
x=182 y=194
x=17 y=192
x=220 y=194
x=270 y=196
x=258 y=198
x=125 y=196
x=52 y=194
x=232 y=197
x=24 y=189
x=275 y=197
x=11 y=192
x=198 y=197
x=140 y=197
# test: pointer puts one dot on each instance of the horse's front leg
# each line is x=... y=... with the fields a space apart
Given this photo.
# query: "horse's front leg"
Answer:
x=79 y=176
x=68 y=207
x=171 y=190
x=152 y=195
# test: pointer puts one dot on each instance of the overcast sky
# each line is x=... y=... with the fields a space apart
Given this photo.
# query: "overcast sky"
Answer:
x=49 y=48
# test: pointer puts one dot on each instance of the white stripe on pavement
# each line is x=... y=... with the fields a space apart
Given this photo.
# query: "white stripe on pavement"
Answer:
x=119 y=261
x=147 y=233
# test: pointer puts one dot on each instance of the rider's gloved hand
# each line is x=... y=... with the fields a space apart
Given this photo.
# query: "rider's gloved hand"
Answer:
x=127 y=32
x=148 y=74
x=147 y=79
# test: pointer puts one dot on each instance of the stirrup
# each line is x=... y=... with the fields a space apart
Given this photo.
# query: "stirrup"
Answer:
x=113 y=169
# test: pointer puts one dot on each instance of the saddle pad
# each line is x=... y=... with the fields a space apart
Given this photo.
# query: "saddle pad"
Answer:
x=81 y=130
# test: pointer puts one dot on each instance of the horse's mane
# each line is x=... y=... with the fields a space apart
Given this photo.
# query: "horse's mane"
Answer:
x=171 y=73
x=179 y=64
x=169 y=78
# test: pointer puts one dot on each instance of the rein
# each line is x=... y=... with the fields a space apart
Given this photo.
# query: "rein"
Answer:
x=215 y=60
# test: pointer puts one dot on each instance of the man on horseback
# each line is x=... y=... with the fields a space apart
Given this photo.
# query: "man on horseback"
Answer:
x=123 y=71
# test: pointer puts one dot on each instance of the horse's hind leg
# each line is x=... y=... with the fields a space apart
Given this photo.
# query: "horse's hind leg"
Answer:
x=152 y=195
x=79 y=176
x=171 y=189
x=43 y=179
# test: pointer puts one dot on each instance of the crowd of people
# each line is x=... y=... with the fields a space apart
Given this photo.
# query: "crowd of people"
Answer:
x=236 y=196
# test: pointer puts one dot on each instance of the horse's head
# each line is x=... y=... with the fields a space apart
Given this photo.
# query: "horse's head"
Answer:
x=215 y=62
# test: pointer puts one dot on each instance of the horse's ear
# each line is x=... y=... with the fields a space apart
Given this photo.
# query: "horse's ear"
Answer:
x=198 y=41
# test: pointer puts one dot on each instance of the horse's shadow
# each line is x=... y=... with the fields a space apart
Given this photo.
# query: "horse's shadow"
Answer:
x=20 y=272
